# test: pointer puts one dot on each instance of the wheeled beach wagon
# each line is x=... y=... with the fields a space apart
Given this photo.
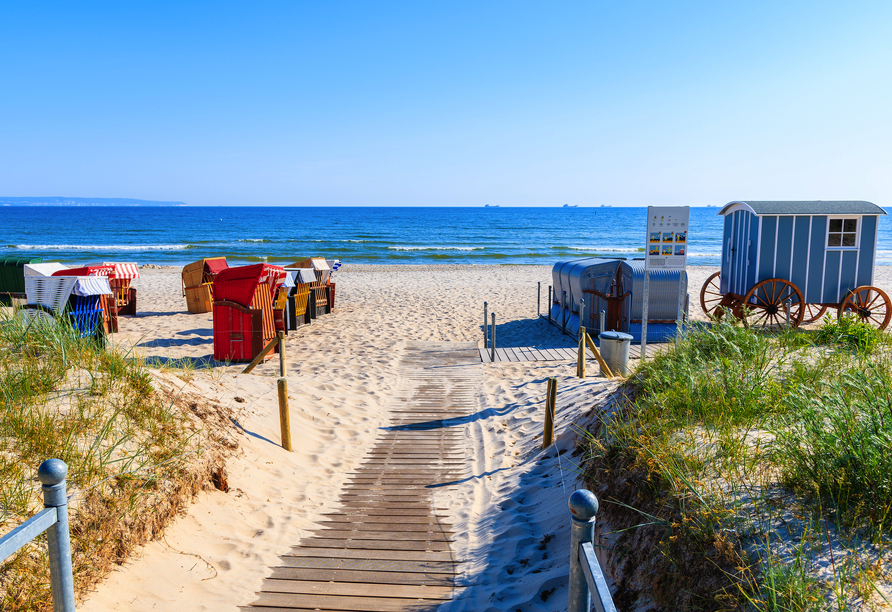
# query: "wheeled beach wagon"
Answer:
x=799 y=258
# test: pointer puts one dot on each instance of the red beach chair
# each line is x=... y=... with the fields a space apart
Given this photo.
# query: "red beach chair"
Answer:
x=243 y=310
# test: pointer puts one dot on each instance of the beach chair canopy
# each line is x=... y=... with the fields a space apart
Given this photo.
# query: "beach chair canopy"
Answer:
x=123 y=270
x=53 y=291
x=301 y=276
x=315 y=263
x=12 y=277
x=215 y=265
x=91 y=270
x=44 y=269
x=238 y=284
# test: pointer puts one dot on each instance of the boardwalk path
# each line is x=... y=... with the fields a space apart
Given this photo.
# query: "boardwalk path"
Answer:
x=387 y=548
x=557 y=353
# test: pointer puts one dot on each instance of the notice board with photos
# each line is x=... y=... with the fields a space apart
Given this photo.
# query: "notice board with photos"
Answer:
x=667 y=237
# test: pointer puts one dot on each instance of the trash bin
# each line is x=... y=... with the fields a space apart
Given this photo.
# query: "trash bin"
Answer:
x=615 y=351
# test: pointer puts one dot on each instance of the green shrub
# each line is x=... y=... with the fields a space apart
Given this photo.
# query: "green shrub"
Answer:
x=849 y=331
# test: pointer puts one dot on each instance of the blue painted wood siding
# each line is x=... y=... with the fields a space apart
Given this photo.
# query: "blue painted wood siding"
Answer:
x=867 y=258
x=794 y=248
x=738 y=252
x=816 y=260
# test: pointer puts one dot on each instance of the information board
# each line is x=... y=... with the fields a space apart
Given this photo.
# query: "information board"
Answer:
x=667 y=237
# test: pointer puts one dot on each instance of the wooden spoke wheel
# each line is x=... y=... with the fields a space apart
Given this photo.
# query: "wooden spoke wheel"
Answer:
x=813 y=312
x=711 y=296
x=870 y=304
x=765 y=304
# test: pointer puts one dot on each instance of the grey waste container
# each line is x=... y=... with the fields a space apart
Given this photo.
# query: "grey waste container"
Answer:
x=615 y=351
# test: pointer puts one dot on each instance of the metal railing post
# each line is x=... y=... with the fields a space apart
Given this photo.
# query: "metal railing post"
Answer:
x=583 y=508
x=52 y=473
x=564 y=311
x=492 y=354
x=550 y=302
x=539 y=300
x=602 y=322
x=485 y=322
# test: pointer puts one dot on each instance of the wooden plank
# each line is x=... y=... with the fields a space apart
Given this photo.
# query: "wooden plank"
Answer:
x=307 y=587
x=428 y=560
x=484 y=355
x=354 y=604
x=364 y=576
x=430 y=527
x=376 y=545
x=351 y=508
x=392 y=535
x=371 y=519
x=551 y=354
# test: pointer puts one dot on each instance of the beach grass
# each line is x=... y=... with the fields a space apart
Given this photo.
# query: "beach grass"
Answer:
x=762 y=458
x=132 y=453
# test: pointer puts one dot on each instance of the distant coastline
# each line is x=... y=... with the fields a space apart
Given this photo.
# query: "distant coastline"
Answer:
x=69 y=201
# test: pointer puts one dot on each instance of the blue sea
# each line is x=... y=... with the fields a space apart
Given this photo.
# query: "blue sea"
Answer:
x=382 y=235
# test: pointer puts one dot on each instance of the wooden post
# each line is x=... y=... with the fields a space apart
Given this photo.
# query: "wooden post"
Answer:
x=580 y=360
x=281 y=336
x=284 y=419
x=604 y=369
x=485 y=322
x=272 y=344
x=550 y=400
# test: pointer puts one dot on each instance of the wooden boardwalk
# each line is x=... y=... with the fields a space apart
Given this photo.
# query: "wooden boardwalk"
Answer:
x=556 y=353
x=387 y=548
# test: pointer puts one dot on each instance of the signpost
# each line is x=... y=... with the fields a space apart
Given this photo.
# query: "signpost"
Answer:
x=667 y=249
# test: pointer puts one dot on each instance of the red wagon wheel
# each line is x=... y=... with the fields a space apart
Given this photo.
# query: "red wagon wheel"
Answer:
x=765 y=302
x=872 y=306
x=711 y=296
x=813 y=312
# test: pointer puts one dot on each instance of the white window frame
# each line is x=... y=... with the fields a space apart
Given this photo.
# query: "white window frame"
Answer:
x=843 y=218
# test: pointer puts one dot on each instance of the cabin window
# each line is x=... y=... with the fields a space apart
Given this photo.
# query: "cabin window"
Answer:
x=843 y=233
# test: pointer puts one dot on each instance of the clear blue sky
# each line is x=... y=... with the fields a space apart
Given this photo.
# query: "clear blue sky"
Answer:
x=447 y=103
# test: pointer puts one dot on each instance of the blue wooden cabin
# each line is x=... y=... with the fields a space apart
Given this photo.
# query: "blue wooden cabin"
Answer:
x=825 y=248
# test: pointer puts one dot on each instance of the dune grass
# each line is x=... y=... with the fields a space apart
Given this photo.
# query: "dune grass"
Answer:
x=761 y=461
x=127 y=448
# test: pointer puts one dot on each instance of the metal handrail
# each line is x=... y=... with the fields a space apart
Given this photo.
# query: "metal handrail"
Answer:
x=587 y=583
x=54 y=520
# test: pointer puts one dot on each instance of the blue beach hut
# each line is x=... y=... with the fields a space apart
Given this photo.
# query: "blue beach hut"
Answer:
x=808 y=256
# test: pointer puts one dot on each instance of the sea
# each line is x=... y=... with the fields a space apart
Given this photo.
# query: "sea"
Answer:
x=360 y=235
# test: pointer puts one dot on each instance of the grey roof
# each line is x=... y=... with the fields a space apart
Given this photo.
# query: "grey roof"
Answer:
x=813 y=207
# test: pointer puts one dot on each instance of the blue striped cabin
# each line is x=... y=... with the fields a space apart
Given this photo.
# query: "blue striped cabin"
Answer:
x=825 y=248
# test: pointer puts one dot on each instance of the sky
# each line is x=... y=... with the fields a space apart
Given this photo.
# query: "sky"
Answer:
x=357 y=103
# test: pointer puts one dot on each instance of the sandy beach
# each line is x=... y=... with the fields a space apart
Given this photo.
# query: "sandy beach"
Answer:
x=510 y=518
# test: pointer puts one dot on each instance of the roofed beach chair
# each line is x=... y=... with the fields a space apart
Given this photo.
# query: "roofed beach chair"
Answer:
x=78 y=298
x=244 y=321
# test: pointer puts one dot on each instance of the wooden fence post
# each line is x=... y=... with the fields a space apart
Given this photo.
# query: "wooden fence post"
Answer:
x=550 y=401
x=580 y=359
x=284 y=418
x=281 y=336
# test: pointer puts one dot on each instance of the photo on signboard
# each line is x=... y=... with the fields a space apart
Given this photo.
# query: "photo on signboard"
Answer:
x=667 y=249
x=667 y=236
x=681 y=237
x=655 y=237
x=654 y=249
x=679 y=249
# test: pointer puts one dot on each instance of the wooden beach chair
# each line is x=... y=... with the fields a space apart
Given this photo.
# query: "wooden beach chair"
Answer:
x=244 y=321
